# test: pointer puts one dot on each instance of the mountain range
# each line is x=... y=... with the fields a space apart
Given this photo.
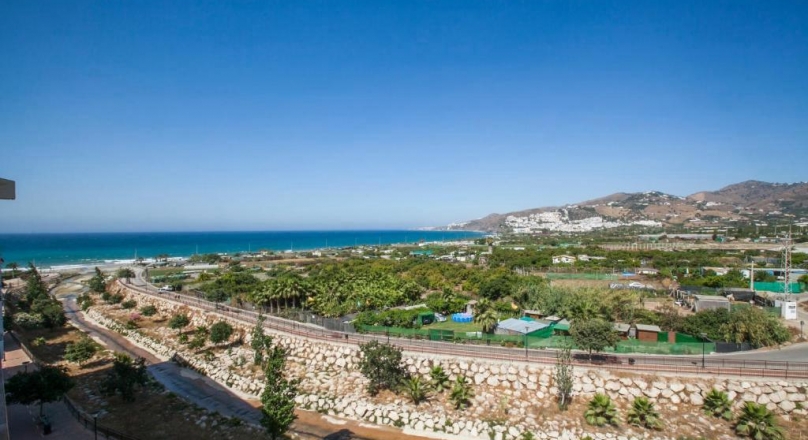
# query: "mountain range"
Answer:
x=741 y=202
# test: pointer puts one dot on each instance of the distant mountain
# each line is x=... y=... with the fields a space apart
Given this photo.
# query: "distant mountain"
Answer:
x=750 y=200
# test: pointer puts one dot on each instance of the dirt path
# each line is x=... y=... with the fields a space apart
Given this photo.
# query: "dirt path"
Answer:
x=208 y=394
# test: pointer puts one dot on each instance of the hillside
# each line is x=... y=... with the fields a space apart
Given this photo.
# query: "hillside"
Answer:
x=745 y=201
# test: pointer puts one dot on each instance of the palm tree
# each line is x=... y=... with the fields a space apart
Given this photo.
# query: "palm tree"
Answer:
x=643 y=414
x=717 y=404
x=759 y=423
x=416 y=389
x=13 y=266
x=488 y=320
x=461 y=393
x=601 y=411
x=440 y=381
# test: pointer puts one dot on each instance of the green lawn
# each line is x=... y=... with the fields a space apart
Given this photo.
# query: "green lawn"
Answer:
x=464 y=327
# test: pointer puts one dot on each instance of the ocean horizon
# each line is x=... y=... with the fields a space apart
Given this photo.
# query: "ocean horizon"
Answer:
x=49 y=250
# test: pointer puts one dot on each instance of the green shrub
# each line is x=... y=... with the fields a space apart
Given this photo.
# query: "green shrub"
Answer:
x=29 y=320
x=81 y=351
x=149 y=310
x=757 y=422
x=130 y=304
x=381 y=365
x=601 y=411
x=461 y=393
x=439 y=379
x=220 y=332
x=115 y=299
x=643 y=414
x=38 y=342
x=415 y=389
x=717 y=404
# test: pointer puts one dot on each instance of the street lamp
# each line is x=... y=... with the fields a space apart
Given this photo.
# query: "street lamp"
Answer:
x=526 y=330
x=703 y=341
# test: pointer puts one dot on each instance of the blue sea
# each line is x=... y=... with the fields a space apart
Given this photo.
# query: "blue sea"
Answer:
x=53 y=250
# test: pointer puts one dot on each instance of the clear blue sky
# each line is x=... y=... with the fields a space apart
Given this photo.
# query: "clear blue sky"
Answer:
x=139 y=116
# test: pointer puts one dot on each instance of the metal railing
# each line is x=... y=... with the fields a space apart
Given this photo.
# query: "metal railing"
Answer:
x=91 y=423
x=651 y=364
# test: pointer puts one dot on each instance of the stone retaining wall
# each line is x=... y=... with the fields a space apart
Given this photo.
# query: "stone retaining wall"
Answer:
x=512 y=398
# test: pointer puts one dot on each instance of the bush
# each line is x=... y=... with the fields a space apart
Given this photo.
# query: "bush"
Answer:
x=38 y=342
x=643 y=414
x=461 y=393
x=717 y=404
x=148 y=310
x=131 y=324
x=381 y=365
x=85 y=301
x=220 y=332
x=759 y=423
x=81 y=351
x=415 y=389
x=601 y=411
x=115 y=299
x=130 y=304
x=28 y=320
x=439 y=379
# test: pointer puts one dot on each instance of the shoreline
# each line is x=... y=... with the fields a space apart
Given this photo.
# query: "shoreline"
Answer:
x=123 y=262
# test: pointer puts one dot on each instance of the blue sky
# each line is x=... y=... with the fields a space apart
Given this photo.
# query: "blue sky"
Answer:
x=140 y=116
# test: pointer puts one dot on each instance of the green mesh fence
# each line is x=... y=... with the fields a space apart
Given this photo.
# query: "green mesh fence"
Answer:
x=685 y=338
x=581 y=276
x=643 y=347
x=538 y=342
x=777 y=287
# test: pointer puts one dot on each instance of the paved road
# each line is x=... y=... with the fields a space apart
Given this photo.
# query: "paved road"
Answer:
x=208 y=394
x=181 y=381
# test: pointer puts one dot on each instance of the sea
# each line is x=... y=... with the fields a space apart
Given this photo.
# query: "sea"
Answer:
x=58 y=250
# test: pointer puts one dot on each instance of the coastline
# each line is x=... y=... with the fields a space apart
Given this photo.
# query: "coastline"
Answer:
x=78 y=254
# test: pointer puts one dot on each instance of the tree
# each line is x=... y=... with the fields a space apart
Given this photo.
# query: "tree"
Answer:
x=13 y=266
x=47 y=384
x=81 y=351
x=488 y=320
x=381 y=365
x=438 y=378
x=461 y=393
x=593 y=335
x=179 y=322
x=126 y=374
x=220 y=332
x=415 y=389
x=754 y=325
x=717 y=404
x=643 y=414
x=755 y=421
x=98 y=283
x=34 y=286
x=260 y=341
x=278 y=398
x=564 y=377
x=126 y=273
x=496 y=288
x=601 y=411
x=50 y=310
